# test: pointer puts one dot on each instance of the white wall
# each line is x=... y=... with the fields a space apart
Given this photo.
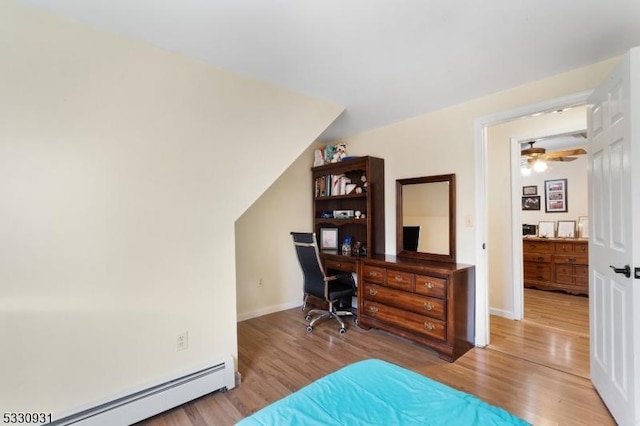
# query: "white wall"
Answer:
x=122 y=171
x=440 y=142
x=499 y=146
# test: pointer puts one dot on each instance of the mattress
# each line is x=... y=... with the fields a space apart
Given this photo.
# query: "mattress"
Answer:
x=375 y=392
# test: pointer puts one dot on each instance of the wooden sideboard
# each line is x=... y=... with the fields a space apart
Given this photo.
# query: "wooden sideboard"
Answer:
x=556 y=264
x=432 y=303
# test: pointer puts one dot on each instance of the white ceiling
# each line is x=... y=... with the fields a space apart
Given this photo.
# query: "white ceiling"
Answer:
x=383 y=60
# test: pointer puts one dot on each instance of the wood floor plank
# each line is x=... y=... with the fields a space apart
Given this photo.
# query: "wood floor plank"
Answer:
x=537 y=368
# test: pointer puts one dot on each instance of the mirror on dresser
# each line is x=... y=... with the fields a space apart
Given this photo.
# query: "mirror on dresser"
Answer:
x=426 y=218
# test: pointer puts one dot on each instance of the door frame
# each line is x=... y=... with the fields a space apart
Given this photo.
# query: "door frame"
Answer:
x=480 y=126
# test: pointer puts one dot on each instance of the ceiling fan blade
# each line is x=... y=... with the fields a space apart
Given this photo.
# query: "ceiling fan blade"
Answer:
x=565 y=153
x=561 y=159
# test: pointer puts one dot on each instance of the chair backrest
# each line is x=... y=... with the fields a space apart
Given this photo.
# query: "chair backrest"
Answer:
x=410 y=237
x=309 y=258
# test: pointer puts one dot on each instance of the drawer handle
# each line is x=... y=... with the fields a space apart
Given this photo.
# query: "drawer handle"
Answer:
x=540 y=258
x=429 y=326
x=373 y=291
x=373 y=274
x=339 y=265
x=373 y=309
x=429 y=306
x=429 y=285
x=397 y=278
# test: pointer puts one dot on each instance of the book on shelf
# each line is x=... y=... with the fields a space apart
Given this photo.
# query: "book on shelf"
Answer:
x=332 y=185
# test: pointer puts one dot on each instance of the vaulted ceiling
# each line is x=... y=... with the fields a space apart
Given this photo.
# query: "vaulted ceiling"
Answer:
x=384 y=61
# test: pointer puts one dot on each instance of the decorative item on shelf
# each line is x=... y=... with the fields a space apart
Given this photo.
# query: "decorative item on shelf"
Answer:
x=363 y=216
x=358 y=190
x=346 y=246
x=340 y=151
x=350 y=187
x=357 y=214
x=364 y=182
x=318 y=158
x=357 y=247
x=329 y=150
x=326 y=215
x=343 y=214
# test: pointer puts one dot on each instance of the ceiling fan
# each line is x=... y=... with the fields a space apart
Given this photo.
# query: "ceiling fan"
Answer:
x=533 y=154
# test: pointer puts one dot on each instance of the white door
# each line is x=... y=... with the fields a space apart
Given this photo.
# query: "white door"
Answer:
x=614 y=239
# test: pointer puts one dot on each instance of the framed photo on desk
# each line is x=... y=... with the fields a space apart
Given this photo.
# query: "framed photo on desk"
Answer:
x=328 y=238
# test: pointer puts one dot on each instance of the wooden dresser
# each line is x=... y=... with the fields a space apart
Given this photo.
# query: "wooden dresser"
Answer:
x=429 y=302
x=556 y=264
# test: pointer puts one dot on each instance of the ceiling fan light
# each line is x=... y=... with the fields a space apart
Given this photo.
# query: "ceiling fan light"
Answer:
x=525 y=170
x=539 y=166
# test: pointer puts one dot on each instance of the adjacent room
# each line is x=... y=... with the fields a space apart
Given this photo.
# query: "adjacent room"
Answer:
x=156 y=157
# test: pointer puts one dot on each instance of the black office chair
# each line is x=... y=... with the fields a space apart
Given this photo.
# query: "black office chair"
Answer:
x=331 y=289
x=410 y=237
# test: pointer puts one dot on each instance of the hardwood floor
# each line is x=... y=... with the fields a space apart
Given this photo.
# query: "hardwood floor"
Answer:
x=542 y=378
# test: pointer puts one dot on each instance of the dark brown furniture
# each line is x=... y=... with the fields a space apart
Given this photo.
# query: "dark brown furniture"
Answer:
x=368 y=200
x=556 y=264
x=432 y=303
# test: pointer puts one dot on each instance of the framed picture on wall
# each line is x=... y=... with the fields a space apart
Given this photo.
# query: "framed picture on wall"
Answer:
x=530 y=190
x=555 y=196
x=531 y=202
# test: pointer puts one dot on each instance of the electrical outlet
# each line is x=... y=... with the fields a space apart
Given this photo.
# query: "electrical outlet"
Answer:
x=182 y=342
x=259 y=282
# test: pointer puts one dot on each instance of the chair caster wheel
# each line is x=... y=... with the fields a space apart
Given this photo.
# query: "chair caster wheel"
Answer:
x=309 y=329
x=342 y=331
x=307 y=318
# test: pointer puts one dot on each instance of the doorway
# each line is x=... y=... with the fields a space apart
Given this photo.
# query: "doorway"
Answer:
x=507 y=228
x=541 y=335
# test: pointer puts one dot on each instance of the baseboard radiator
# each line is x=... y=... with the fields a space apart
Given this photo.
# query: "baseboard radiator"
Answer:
x=157 y=399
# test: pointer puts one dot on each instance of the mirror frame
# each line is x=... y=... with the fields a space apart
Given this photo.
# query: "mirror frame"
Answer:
x=400 y=184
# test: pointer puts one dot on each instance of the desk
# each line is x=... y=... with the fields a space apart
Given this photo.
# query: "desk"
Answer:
x=337 y=262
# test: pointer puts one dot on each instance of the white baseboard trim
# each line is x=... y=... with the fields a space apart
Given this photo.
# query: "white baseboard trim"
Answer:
x=268 y=310
x=502 y=313
x=148 y=402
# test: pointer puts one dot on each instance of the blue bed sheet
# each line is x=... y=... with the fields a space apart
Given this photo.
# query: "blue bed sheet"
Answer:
x=375 y=392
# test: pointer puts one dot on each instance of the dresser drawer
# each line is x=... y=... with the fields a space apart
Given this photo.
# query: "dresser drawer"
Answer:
x=420 y=324
x=564 y=274
x=569 y=259
x=537 y=271
x=373 y=274
x=537 y=246
x=565 y=247
x=431 y=286
x=432 y=307
x=537 y=257
x=581 y=248
x=582 y=277
x=340 y=265
x=400 y=280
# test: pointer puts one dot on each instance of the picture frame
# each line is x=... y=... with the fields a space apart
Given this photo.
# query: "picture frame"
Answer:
x=546 y=229
x=566 y=229
x=530 y=190
x=329 y=238
x=531 y=202
x=555 y=195
x=583 y=227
